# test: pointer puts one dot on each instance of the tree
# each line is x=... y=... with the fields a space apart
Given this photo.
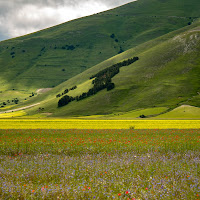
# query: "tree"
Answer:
x=110 y=86
x=71 y=47
x=121 y=50
x=112 y=35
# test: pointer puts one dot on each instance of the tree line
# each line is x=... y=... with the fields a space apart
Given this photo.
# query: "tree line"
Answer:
x=66 y=91
x=103 y=79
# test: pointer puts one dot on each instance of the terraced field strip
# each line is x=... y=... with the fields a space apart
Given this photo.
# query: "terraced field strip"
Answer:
x=98 y=124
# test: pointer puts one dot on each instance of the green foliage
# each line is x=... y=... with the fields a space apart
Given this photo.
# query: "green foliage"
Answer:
x=110 y=86
x=65 y=100
x=112 y=35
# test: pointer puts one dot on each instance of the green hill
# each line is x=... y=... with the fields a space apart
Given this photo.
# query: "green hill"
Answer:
x=166 y=75
x=182 y=112
x=157 y=31
x=49 y=57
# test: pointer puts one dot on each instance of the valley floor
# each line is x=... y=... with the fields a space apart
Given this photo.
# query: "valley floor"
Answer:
x=100 y=164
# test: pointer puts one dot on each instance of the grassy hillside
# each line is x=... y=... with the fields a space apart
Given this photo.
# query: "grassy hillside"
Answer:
x=182 y=112
x=49 y=57
x=166 y=75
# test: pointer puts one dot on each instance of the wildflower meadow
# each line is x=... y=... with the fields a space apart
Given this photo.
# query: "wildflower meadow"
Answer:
x=100 y=164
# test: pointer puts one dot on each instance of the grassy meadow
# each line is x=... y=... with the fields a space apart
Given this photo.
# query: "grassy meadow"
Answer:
x=100 y=164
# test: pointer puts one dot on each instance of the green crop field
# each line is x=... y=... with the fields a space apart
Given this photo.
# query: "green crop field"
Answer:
x=99 y=164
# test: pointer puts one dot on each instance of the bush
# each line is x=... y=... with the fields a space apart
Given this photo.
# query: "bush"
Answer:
x=121 y=50
x=71 y=47
x=112 y=35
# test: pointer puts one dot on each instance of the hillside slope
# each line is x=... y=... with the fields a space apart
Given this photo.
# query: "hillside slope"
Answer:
x=166 y=75
x=47 y=58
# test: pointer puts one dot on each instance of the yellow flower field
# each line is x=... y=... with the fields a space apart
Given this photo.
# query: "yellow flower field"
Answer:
x=97 y=124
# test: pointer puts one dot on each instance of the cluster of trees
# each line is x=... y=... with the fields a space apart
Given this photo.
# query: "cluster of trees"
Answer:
x=114 y=69
x=12 y=54
x=66 y=91
x=113 y=37
x=15 y=100
x=103 y=79
x=65 y=100
x=69 y=47
x=32 y=95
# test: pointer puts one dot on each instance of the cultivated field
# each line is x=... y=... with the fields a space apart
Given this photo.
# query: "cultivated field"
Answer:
x=100 y=164
x=97 y=124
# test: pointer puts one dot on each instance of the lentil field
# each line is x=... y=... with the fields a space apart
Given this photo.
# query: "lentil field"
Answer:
x=100 y=164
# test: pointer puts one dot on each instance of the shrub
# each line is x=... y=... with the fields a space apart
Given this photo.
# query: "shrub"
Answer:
x=71 y=47
x=112 y=35
x=121 y=50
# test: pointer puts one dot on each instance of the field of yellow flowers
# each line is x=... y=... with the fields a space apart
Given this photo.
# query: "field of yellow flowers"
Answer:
x=97 y=124
x=100 y=164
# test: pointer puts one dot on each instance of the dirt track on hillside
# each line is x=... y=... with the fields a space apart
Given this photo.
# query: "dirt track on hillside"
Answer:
x=18 y=109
